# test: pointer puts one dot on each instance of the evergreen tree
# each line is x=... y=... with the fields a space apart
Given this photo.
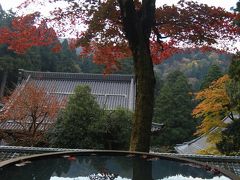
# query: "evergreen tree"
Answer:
x=230 y=143
x=213 y=74
x=84 y=125
x=233 y=88
x=114 y=129
x=6 y=63
x=237 y=9
x=73 y=127
x=67 y=59
x=173 y=108
x=87 y=66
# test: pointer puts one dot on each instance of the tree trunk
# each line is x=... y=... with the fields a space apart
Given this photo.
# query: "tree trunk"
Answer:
x=145 y=81
x=3 y=83
x=137 y=25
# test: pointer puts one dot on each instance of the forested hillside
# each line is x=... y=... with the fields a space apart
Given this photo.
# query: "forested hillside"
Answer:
x=194 y=65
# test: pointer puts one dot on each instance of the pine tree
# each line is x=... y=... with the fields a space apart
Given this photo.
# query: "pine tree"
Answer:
x=230 y=142
x=213 y=74
x=73 y=127
x=173 y=108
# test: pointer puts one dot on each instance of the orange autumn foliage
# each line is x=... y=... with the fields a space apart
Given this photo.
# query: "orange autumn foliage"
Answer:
x=28 y=31
x=187 y=22
x=213 y=106
x=113 y=24
x=32 y=108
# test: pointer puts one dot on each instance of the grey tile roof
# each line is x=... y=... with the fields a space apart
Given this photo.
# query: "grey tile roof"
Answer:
x=195 y=145
x=231 y=163
x=11 y=125
x=111 y=91
x=15 y=126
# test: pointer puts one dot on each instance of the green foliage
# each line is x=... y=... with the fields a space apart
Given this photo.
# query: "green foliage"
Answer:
x=212 y=108
x=213 y=74
x=84 y=125
x=126 y=66
x=230 y=143
x=233 y=92
x=234 y=68
x=8 y=63
x=237 y=9
x=195 y=65
x=220 y=99
x=36 y=58
x=173 y=108
x=233 y=88
x=5 y=17
x=158 y=85
x=66 y=60
x=73 y=127
x=87 y=66
x=114 y=129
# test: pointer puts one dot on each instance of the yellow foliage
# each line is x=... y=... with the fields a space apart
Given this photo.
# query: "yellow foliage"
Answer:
x=212 y=108
x=213 y=138
x=209 y=150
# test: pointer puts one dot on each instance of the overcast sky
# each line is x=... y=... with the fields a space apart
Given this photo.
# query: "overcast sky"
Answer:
x=227 y=4
x=8 y=4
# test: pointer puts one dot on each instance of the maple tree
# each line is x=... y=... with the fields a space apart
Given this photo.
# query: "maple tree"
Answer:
x=122 y=28
x=213 y=107
x=28 y=31
x=17 y=36
x=32 y=108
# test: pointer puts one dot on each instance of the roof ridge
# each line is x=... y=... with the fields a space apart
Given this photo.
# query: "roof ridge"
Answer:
x=67 y=75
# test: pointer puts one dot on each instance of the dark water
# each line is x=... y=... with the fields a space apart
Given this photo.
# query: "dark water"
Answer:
x=101 y=167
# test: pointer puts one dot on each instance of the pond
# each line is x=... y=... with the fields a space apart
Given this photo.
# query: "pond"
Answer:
x=98 y=165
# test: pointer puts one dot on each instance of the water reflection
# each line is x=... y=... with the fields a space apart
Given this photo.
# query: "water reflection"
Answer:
x=94 y=167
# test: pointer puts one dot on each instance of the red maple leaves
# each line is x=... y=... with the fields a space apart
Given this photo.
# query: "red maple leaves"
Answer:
x=28 y=31
x=195 y=25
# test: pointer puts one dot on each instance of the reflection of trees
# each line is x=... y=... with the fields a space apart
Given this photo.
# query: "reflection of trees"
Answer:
x=101 y=167
x=142 y=169
x=41 y=169
x=62 y=166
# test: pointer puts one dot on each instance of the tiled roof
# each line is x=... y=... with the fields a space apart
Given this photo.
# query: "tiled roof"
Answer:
x=195 y=145
x=111 y=91
x=14 y=125
x=231 y=163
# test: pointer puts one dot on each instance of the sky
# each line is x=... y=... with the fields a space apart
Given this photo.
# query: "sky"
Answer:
x=227 y=4
x=8 y=4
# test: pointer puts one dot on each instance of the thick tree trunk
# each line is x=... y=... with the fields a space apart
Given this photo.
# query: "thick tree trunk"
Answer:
x=145 y=81
x=137 y=25
x=3 y=83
